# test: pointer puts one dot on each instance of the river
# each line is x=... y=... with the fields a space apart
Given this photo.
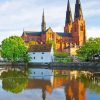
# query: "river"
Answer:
x=46 y=84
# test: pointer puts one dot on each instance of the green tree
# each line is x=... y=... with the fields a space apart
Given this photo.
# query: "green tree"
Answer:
x=89 y=49
x=51 y=42
x=60 y=54
x=14 y=49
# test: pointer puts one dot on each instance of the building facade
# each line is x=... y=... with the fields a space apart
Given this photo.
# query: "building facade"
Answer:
x=74 y=31
x=42 y=53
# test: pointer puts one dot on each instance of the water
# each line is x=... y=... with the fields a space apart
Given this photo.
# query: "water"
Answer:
x=45 y=84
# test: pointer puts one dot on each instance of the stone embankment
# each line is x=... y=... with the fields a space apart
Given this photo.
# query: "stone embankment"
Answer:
x=77 y=65
x=7 y=63
x=95 y=66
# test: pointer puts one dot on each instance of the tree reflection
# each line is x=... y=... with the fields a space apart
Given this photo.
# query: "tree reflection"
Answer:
x=14 y=81
x=91 y=82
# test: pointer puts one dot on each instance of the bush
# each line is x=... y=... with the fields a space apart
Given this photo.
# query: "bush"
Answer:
x=60 y=55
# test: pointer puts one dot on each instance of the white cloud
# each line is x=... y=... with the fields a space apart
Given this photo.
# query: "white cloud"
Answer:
x=93 y=32
x=18 y=14
x=7 y=34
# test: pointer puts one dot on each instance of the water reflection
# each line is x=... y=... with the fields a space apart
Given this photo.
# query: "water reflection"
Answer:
x=73 y=83
x=92 y=82
x=14 y=81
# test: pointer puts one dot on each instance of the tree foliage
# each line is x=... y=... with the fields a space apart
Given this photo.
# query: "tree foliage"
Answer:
x=50 y=42
x=13 y=49
x=89 y=49
x=33 y=43
x=60 y=54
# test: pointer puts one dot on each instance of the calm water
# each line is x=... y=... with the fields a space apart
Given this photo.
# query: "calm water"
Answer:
x=44 y=84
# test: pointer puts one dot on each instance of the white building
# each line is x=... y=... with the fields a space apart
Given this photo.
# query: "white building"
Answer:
x=41 y=53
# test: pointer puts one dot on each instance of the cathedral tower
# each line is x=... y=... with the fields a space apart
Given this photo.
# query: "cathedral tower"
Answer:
x=78 y=29
x=68 y=22
x=43 y=25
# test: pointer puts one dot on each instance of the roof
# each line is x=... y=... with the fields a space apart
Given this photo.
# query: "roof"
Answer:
x=30 y=33
x=64 y=34
x=40 y=48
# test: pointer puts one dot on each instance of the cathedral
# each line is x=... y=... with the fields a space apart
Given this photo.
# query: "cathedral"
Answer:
x=73 y=35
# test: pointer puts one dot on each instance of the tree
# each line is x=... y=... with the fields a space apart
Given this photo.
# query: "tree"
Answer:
x=89 y=49
x=60 y=54
x=51 y=42
x=14 y=49
x=33 y=43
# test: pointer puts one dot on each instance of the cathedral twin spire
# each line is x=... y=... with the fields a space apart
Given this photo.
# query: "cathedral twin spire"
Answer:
x=78 y=12
x=68 y=14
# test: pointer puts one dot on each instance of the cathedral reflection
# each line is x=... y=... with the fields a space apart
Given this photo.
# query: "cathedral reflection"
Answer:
x=74 y=83
x=74 y=89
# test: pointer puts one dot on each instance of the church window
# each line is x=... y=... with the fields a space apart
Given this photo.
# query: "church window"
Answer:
x=75 y=28
x=41 y=57
x=81 y=27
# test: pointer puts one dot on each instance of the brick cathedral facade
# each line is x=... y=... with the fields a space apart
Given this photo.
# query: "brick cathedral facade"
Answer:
x=74 y=31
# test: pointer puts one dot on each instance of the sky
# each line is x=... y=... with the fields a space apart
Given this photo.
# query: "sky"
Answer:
x=19 y=15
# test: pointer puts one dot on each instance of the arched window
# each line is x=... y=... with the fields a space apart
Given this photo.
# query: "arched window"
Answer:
x=75 y=28
x=81 y=27
x=41 y=57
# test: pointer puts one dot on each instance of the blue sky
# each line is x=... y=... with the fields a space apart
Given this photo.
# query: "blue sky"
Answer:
x=16 y=15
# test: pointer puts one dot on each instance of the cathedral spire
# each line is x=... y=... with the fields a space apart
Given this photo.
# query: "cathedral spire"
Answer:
x=68 y=14
x=43 y=25
x=78 y=1
x=78 y=10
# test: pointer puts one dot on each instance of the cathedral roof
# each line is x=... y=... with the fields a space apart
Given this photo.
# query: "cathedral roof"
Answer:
x=30 y=33
x=63 y=34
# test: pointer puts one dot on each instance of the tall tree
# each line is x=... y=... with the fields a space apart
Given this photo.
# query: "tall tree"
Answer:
x=13 y=49
x=89 y=49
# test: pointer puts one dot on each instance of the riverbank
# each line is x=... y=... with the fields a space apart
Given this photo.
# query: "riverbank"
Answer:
x=77 y=65
x=3 y=63
x=68 y=66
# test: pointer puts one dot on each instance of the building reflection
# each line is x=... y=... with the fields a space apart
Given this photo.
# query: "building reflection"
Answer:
x=74 y=89
x=74 y=83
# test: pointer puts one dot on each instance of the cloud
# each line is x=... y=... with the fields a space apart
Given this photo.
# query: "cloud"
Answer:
x=7 y=34
x=93 y=32
x=18 y=14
